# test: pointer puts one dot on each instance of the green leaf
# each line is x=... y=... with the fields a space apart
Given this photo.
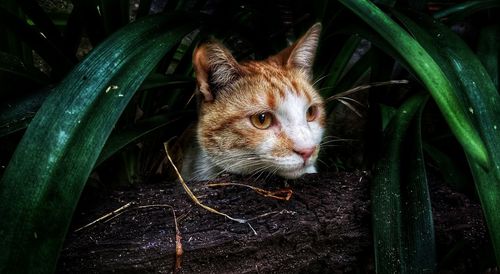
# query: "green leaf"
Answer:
x=452 y=174
x=429 y=73
x=387 y=113
x=339 y=65
x=416 y=211
x=462 y=10
x=488 y=51
x=120 y=139
x=43 y=181
x=15 y=115
x=388 y=227
x=157 y=80
x=487 y=187
x=355 y=73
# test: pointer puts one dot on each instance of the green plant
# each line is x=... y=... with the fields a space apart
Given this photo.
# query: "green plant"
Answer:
x=136 y=83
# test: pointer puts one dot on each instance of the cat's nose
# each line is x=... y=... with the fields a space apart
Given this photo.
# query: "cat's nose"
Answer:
x=305 y=153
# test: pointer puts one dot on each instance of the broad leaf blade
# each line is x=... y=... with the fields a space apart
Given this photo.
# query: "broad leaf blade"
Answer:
x=44 y=179
x=119 y=140
x=388 y=234
x=417 y=211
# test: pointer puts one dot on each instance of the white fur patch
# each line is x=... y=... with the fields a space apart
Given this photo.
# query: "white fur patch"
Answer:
x=291 y=116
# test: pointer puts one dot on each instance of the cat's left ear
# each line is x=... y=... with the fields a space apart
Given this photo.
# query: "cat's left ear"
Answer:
x=300 y=55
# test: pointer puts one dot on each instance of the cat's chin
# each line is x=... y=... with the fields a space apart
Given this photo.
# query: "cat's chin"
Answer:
x=296 y=173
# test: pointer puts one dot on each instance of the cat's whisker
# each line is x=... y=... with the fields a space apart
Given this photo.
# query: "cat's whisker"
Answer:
x=332 y=137
x=337 y=141
x=241 y=164
x=260 y=172
x=364 y=87
x=322 y=162
x=350 y=106
x=352 y=100
x=319 y=79
x=328 y=146
x=323 y=88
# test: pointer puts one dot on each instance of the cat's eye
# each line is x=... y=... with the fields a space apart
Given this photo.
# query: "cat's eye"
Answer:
x=312 y=113
x=262 y=120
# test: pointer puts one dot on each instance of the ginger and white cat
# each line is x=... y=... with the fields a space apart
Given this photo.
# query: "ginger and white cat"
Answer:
x=256 y=116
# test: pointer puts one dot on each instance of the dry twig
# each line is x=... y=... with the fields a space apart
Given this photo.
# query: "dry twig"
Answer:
x=113 y=213
x=281 y=194
x=192 y=196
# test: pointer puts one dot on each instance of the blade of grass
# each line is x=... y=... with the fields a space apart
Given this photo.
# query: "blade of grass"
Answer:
x=429 y=72
x=157 y=80
x=387 y=113
x=416 y=204
x=355 y=73
x=120 y=139
x=17 y=114
x=386 y=194
x=339 y=65
x=452 y=174
x=42 y=183
x=488 y=51
x=462 y=10
x=487 y=187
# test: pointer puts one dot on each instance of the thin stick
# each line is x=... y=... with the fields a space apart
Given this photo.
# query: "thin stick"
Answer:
x=266 y=193
x=178 y=238
x=178 y=245
x=358 y=88
x=114 y=212
x=190 y=193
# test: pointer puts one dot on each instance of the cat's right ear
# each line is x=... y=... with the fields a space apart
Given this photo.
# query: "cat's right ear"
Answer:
x=215 y=68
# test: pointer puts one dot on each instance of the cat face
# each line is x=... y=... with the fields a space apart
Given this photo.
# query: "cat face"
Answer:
x=260 y=116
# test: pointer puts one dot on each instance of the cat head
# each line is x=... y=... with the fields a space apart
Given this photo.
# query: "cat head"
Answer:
x=260 y=116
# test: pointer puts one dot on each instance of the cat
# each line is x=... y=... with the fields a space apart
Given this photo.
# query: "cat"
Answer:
x=256 y=116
